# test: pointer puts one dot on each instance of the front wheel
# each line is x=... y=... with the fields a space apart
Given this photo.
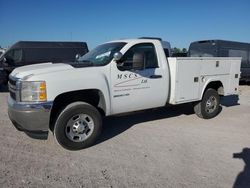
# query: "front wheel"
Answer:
x=78 y=126
x=208 y=107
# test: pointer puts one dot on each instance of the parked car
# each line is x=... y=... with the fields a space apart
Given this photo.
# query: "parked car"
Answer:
x=116 y=77
x=33 y=52
x=223 y=48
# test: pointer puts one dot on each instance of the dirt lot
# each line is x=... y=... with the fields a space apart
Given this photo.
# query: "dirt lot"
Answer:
x=168 y=147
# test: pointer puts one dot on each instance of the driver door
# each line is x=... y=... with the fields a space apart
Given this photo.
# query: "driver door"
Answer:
x=136 y=89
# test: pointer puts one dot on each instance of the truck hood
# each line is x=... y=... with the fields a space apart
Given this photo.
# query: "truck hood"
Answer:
x=38 y=69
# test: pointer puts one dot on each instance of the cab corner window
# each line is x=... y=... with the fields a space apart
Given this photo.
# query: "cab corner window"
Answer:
x=140 y=56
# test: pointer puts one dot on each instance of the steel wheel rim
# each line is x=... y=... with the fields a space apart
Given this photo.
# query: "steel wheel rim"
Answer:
x=79 y=127
x=211 y=104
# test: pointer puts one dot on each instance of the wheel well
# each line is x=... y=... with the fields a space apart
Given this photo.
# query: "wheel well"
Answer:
x=216 y=85
x=91 y=96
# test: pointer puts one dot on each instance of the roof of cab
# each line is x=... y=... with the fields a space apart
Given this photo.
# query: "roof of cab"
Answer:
x=165 y=44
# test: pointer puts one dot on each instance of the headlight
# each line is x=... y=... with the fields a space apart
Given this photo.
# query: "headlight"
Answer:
x=33 y=91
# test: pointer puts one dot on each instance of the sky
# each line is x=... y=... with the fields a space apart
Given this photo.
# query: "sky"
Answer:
x=95 y=21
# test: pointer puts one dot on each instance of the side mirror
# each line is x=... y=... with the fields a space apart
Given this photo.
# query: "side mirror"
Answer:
x=4 y=60
x=78 y=56
x=117 y=56
x=138 y=61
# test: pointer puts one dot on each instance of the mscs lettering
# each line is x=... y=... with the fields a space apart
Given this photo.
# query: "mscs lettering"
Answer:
x=127 y=76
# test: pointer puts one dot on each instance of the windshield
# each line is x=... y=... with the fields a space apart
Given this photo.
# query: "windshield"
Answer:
x=203 y=50
x=101 y=55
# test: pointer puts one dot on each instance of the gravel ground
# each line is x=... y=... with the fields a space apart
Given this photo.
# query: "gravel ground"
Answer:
x=167 y=147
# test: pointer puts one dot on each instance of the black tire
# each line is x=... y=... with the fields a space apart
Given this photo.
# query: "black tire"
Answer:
x=62 y=124
x=201 y=109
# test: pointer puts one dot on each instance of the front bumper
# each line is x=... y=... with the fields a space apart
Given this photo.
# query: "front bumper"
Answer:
x=29 y=117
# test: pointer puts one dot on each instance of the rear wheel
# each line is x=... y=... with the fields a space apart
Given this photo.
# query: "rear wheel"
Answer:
x=78 y=126
x=208 y=107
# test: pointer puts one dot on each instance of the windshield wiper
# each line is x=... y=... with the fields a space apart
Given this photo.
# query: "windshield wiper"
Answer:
x=85 y=62
x=82 y=63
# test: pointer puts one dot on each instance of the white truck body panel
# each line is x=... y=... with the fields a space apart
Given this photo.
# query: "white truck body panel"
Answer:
x=132 y=90
x=184 y=71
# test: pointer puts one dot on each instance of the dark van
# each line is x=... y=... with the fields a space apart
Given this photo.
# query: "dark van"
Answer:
x=223 y=48
x=32 y=52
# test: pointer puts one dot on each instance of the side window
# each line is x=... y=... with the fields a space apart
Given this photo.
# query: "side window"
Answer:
x=239 y=53
x=14 y=56
x=148 y=51
x=17 y=56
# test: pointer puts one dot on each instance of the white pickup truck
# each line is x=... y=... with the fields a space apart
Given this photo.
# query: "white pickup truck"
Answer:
x=116 y=77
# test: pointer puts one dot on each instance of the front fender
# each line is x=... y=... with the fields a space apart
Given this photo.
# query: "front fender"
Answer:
x=77 y=79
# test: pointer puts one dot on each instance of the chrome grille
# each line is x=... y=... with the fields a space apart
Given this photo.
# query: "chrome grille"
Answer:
x=12 y=87
x=12 y=81
x=13 y=95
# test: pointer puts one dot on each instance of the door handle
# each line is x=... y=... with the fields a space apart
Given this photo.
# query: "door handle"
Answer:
x=155 y=76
